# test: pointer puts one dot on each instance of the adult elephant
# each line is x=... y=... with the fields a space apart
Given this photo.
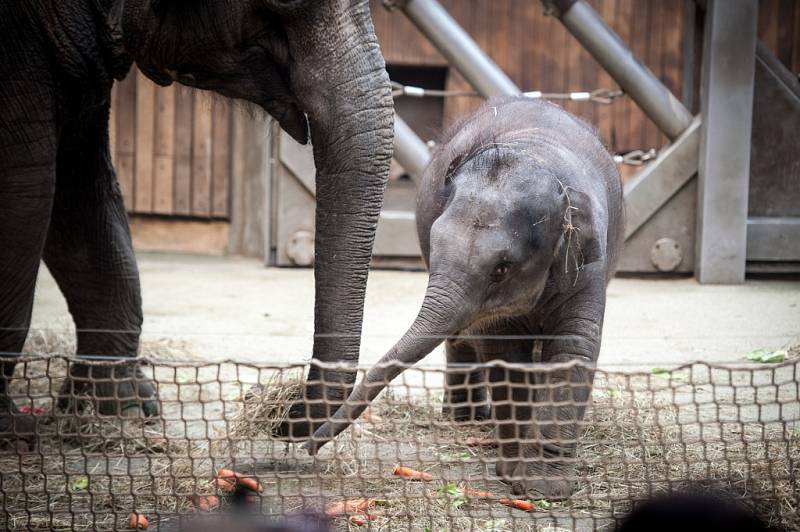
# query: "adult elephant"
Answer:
x=313 y=65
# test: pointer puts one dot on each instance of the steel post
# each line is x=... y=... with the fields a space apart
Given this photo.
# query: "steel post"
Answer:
x=457 y=47
x=656 y=100
x=409 y=150
x=724 y=166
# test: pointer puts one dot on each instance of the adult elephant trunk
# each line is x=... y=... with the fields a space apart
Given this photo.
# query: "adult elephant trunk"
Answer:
x=445 y=311
x=341 y=82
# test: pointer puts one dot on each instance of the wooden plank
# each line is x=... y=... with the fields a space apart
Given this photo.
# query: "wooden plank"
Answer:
x=126 y=137
x=639 y=21
x=657 y=18
x=182 y=182
x=164 y=150
x=768 y=23
x=795 y=67
x=201 y=156
x=221 y=160
x=604 y=113
x=145 y=113
x=786 y=10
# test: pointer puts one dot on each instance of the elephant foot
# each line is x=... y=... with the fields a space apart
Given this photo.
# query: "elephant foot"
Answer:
x=550 y=480
x=466 y=406
x=120 y=390
x=16 y=428
x=299 y=425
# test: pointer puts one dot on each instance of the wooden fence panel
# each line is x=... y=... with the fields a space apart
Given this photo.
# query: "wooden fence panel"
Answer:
x=171 y=148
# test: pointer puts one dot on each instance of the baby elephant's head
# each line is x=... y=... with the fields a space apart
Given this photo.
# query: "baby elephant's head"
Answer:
x=510 y=225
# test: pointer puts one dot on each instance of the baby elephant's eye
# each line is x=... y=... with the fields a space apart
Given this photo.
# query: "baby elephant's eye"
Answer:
x=501 y=270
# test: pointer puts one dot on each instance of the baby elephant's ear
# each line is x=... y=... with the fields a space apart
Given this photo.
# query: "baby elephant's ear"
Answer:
x=580 y=243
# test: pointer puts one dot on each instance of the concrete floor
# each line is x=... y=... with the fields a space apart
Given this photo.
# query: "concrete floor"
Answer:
x=234 y=308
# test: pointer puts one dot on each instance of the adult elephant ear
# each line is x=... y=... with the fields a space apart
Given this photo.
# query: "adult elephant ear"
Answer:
x=580 y=244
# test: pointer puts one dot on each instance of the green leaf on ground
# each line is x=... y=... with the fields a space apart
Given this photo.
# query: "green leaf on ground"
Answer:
x=669 y=374
x=544 y=504
x=80 y=483
x=454 y=495
x=767 y=356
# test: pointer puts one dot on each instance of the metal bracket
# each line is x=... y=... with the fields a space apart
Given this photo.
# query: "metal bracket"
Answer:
x=655 y=184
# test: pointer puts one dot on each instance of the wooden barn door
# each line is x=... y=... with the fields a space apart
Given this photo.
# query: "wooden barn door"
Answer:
x=172 y=149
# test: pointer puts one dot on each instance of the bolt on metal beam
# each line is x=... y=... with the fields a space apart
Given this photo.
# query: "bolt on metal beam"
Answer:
x=457 y=46
x=656 y=100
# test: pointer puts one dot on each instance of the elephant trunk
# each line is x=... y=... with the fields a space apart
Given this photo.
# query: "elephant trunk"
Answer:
x=344 y=87
x=445 y=311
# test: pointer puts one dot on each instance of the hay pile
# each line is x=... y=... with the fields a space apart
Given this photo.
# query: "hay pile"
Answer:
x=644 y=434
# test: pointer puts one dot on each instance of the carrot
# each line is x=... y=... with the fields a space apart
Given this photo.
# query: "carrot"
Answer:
x=223 y=484
x=233 y=478
x=369 y=417
x=519 y=504
x=474 y=441
x=413 y=474
x=357 y=520
x=138 y=521
x=477 y=494
x=206 y=503
x=351 y=506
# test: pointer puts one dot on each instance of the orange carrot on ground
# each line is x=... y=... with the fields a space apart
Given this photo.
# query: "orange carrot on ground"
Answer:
x=233 y=478
x=351 y=506
x=474 y=441
x=369 y=417
x=477 y=494
x=361 y=519
x=413 y=474
x=224 y=484
x=519 y=504
x=206 y=503
x=358 y=520
x=138 y=521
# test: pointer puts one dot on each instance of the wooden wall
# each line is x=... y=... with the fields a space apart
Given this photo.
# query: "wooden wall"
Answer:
x=173 y=146
x=172 y=149
x=539 y=54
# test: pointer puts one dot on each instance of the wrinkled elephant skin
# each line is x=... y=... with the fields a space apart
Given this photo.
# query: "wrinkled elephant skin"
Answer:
x=315 y=66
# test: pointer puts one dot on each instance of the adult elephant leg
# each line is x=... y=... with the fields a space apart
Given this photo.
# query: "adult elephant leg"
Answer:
x=341 y=79
x=89 y=253
x=27 y=183
x=465 y=387
x=562 y=395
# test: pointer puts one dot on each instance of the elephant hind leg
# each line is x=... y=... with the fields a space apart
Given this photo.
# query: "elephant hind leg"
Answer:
x=25 y=201
x=465 y=388
x=90 y=254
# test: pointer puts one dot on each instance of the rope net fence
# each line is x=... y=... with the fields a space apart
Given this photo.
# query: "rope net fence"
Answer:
x=404 y=464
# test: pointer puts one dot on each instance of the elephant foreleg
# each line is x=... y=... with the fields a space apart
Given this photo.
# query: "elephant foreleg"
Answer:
x=89 y=253
x=465 y=386
x=562 y=395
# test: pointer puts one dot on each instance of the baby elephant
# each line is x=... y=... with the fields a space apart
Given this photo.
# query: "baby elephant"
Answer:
x=520 y=221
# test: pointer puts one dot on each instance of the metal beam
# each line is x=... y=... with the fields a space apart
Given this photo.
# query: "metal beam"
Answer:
x=724 y=169
x=773 y=239
x=616 y=58
x=457 y=46
x=654 y=185
x=409 y=150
